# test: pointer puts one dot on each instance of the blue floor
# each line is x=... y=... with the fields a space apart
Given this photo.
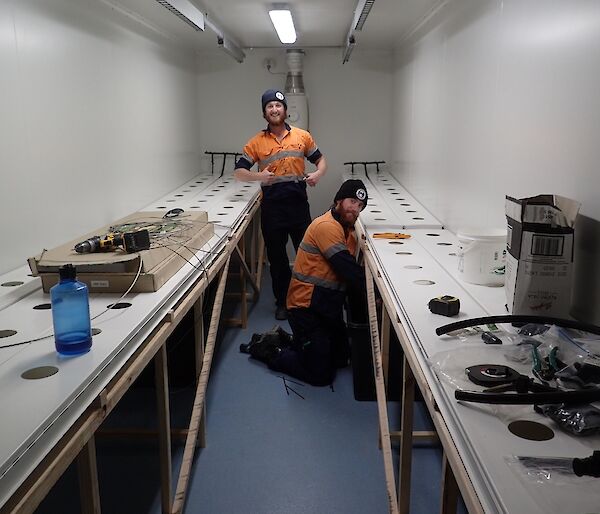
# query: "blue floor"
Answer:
x=268 y=450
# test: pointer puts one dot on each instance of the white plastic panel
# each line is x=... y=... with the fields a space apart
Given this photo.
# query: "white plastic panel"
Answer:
x=17 y=284
x=38 y=412
x=480 y=433
x=391 y=205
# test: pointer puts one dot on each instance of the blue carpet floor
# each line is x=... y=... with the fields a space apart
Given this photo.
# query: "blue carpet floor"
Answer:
x=268 y=450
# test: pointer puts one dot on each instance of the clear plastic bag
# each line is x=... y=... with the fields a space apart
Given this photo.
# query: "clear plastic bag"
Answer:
x=553 y=485
x=579 y=420
x=473 y=334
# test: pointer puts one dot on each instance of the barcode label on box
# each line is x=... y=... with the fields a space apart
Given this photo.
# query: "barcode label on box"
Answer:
x=547 y=245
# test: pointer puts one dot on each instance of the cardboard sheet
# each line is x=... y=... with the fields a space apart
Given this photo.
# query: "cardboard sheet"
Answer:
x=174 y=241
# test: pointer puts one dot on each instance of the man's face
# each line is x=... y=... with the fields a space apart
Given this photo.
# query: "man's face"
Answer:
x=275 y=113
x=349 y=209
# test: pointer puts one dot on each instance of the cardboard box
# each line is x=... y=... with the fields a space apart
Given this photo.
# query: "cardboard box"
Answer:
x=174 y=242
x=539 y=263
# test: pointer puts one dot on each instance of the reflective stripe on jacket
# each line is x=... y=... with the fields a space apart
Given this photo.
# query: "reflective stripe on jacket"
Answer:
x=286 y=158
x=314 y=283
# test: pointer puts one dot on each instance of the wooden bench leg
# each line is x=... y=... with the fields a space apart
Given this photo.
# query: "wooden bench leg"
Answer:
x=164 y=427
x=87 y=471
x=449 y=489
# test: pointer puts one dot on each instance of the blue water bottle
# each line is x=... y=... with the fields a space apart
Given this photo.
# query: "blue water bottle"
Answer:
x=71 y=313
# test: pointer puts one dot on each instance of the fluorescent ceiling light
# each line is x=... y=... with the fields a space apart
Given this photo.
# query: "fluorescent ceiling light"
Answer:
x=363 y=8
x=284 y=25
x=229 y=47
x=361 y=11
x=186 y=11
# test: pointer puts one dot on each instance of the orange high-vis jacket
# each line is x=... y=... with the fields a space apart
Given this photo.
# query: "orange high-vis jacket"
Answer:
x=314 y=282
x=285 y=157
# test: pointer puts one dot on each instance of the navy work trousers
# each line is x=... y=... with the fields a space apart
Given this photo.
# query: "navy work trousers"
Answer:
x=320 y=347
x=280 y=221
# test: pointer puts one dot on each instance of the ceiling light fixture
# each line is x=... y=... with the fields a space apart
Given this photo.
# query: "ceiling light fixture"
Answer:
x=348 y=49
x=229 y=47
x=186 y=11
x=284 y=24
x=361 y=11
x=363 y=8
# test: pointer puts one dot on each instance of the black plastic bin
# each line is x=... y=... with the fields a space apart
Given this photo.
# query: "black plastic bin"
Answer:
x=362 y=364
x=362 y=358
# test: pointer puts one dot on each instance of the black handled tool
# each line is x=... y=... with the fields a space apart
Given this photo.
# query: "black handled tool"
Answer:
x=445 y=305
x=130 y=241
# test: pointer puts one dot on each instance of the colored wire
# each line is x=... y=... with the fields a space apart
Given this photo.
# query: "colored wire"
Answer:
x=139 y=271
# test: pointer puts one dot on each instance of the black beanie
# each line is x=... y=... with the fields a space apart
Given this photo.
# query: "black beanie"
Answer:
x=273 y=95
x=352 y=188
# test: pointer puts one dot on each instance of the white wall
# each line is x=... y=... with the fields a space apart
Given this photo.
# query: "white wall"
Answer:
x=496 y=97
x=98 y=117
x=349 y=107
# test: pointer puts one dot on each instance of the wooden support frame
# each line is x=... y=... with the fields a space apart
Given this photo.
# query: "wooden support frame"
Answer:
x=87 y=471
x=197 y=410
x=199 y=354
x=385 y=345
x=381 y=401
x=406 y=440
x=164 y=426
x=78 y=443
x=454 y=464
x=248 y=274
x=449 y=489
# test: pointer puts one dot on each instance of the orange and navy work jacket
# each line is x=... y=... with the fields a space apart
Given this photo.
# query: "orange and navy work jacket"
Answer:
x=325 y=266
x=286 y=158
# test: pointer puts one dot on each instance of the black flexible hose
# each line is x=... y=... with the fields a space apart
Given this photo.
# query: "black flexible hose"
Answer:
x=581 y=396
x=542 y=320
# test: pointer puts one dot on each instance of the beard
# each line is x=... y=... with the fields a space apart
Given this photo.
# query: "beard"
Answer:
x=276 y=120
x=347 y=217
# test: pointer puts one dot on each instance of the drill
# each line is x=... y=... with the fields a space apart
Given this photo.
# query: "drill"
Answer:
x=130 y=241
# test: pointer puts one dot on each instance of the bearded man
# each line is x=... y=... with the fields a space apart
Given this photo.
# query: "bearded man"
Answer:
x=279 y=151
x=324 y=270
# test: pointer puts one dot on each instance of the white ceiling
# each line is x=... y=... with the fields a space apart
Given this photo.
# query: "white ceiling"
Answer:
x=319 y=23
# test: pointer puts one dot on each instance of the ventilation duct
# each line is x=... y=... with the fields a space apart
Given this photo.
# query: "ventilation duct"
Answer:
x=294 y=90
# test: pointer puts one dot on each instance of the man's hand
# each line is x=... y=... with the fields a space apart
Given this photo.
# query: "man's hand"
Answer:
x=312 y=179
x=267 y=177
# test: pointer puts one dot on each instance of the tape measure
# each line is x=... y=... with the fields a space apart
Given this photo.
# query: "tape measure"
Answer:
x=490 y=375
x=445 y=305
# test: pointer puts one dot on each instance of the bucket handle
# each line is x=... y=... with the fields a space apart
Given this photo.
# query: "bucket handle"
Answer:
x=466 y=247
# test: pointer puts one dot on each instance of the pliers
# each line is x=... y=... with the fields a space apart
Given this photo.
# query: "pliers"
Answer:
x=542 y=368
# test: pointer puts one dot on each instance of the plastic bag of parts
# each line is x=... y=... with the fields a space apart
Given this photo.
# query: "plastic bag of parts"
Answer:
x=587 y=344
x=549 y=348
x=579 y=420
x=450 y=366
x=473 y=334
x=579 y=375
x=554 y=486
x=532 y=329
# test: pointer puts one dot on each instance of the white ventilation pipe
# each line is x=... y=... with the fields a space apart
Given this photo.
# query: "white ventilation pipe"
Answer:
x=297 y=109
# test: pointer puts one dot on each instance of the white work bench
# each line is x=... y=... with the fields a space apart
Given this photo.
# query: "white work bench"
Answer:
x=48 y=422
x=475 y=437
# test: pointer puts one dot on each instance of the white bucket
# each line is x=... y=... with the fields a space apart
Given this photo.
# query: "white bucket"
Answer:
x=482 y=256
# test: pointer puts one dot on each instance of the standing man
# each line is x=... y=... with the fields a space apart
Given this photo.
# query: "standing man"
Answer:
x=279 y=150
x=325 y=269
